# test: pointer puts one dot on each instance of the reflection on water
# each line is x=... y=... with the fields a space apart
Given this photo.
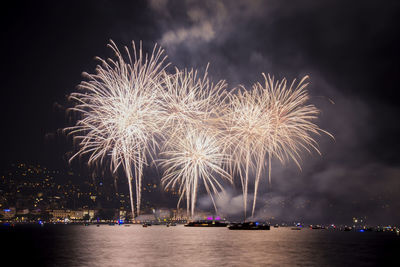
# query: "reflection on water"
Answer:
x=73 y=245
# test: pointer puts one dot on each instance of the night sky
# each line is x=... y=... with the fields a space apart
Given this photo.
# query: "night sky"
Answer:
x=350 y=49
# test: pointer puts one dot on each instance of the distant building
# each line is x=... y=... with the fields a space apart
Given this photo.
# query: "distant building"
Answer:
x=8 y=213
x=60 y=214
x=76 y=214
x=122 y=214
x=36 y=211
x=91 y=213
x=71 y=214
x=22 y=211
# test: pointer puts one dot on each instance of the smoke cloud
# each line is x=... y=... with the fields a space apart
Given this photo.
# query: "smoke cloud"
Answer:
x=354 y=176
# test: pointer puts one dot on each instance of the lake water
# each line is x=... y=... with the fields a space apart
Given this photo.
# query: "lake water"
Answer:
x=76 y=245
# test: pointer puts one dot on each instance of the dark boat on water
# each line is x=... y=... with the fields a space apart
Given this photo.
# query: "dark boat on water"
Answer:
x=316 y=227
x=297 y=227
x=249 y=226
x=206 y=224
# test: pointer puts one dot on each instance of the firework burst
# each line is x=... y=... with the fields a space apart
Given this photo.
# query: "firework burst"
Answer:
x=271 y=120
x=189 y=100
x=192 y=158
x=118 y=106
x=129 y=107
x=191 y=154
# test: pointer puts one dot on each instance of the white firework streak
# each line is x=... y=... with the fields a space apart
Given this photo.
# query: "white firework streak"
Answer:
x=118 y=106
x=191 y=101
x=192 y=157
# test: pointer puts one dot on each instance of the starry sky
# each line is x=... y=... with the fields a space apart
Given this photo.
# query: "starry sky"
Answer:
x=348 y=48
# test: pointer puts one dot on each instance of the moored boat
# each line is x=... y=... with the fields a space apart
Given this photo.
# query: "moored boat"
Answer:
x=347 y=228
x=249 y=226
x=206 y=224
x=316 y=227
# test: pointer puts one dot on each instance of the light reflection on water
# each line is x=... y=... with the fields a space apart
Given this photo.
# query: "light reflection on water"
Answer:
x=179 y=246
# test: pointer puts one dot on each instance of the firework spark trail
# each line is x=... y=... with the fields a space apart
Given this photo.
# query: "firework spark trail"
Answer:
x=117 y=106
x=246 y=125
x=192 y=157
x=191 y=107
x=190 y=101
x=268 y=121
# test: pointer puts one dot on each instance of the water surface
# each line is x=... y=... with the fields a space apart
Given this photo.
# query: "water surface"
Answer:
x=76 y=245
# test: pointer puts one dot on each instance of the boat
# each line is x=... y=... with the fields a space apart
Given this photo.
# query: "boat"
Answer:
x=249 y=226
x=316 y=227
x=206 y=224
x=297 y=227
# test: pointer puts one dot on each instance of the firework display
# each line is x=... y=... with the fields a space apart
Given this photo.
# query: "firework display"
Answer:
x=134 y=111
x=191 y=150
x=189 y=100
x=118 y=105
x=194 y=156
x=270 y=120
